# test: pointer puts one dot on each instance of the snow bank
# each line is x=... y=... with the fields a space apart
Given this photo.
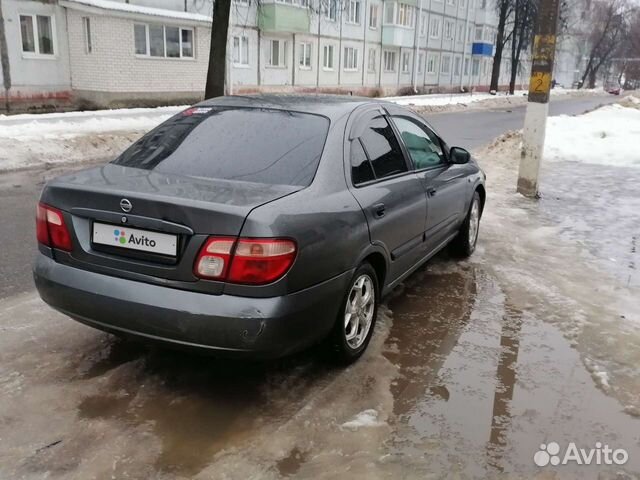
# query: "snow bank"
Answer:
x=70 y=124
x=607 y=136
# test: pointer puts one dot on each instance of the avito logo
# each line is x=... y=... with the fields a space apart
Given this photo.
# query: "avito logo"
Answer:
x=600 y=455
x=121 y=237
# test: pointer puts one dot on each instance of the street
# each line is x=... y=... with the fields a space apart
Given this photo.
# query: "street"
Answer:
x=473 y=365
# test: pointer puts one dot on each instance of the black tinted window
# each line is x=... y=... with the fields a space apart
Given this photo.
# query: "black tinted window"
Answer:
x=383 y=149
x=361 y=170
x=253 y=145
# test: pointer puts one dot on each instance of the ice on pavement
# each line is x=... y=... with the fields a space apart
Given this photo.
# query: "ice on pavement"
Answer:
x=367 y=418
x=606 y=136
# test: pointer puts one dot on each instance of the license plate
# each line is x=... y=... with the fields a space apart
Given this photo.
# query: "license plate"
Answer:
x=135 y=239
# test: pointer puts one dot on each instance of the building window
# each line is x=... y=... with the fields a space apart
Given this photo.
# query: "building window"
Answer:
x=456 y=66
x=330 y=10
x=241 y=50
x=353 y=11
x=163 y=41
x=405 y=15
x=37 y=34
x=423 y=25
x=305 y=56
x=475 y=67
x=434 y=27
x=373 y=17
x=460 y=38
x=406 y=60
x=327 y=57
x=350 y=58
x=448 y=29
x=451 y=2
x=242 y=2
x=277 y=53
x=478 y=34
x=372 y=61
x=462 y=3
x=420 y=61
x=389 y=59
x=469 y=33
x=86 y=27
x=466 y=66
x=432 y=63
x=389 y=8
x=446 y=64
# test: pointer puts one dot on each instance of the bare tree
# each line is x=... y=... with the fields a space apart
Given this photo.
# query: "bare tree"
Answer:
x=524 y=18
x=216 y=72
x=504 y=9
x=609 y=30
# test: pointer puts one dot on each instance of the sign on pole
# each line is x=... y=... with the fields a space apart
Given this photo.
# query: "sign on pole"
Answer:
x=544 y=48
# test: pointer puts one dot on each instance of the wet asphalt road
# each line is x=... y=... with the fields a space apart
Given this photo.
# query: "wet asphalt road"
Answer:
x=19 y=191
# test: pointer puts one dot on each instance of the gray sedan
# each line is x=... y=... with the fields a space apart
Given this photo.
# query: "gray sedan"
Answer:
x=257 y=226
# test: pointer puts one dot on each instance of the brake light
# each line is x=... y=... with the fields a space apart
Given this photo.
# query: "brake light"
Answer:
x=253 y=261
x=51 y=229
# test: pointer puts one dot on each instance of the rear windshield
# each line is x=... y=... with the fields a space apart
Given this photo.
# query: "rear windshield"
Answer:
x=254 y=145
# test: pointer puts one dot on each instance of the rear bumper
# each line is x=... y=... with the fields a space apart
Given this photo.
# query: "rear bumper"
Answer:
x=223 y=324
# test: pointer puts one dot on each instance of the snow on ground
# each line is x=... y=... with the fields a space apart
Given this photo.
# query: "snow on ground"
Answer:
x=367 y=418
x=606 y=136
x=70 y=124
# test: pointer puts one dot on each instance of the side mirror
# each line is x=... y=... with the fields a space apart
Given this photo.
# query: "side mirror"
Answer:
x=459 y=155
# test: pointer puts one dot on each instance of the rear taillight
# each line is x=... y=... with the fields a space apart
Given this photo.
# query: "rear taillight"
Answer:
x=254 y=261
x=51 y=229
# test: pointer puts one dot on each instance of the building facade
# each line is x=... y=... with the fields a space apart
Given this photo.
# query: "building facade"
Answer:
x=105 y=53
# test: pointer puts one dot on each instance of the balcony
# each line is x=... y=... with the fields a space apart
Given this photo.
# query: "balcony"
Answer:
x=397 y=36
x=482 y=48
x=277 y=17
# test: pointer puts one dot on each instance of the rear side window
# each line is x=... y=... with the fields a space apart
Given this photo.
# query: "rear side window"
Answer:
x=361 y=170
x=254 y=145
x=383 y=149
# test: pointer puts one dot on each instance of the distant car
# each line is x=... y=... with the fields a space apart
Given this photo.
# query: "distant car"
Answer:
x=614 y=90
x=257 y=226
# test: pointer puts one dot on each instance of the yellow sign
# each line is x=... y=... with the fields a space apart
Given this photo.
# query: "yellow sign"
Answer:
x=540 y=83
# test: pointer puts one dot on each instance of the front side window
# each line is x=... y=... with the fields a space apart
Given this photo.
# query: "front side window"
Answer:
x=423 y=146
x=36 y=32
x=163 y=41
x=383 y=149
x=264 y=146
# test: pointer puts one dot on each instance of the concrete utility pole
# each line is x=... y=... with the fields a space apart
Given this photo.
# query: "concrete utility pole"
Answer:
x=544 y=49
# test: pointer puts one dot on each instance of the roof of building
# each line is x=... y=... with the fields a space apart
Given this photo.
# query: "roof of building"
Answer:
x=138 y=10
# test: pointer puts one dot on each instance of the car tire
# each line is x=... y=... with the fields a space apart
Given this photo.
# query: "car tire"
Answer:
x=464 y=244
x=356 y=319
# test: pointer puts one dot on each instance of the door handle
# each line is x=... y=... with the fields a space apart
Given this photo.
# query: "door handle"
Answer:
x=379 y=210
x=431 y=191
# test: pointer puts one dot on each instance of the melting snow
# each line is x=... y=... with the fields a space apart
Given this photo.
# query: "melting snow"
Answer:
x=366 y=418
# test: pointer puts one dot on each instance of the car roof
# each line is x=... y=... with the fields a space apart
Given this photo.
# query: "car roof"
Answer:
x=332 y=106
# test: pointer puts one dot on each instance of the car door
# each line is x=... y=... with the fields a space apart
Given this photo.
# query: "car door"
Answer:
x=390 y=194
x=444 y=183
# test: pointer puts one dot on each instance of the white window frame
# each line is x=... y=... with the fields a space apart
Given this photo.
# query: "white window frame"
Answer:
x=373 y=16
x=386 y=56
x=330 y=10
x=469 y=33
x=457 y=65
x=423 y=24
x=350 y=61
x=371 y=65
x=460 y=33
x=451 y=2
x=433 y=62
x=465 y=68
x=420 y=62
x=242 y=2
x=405 y=66
x=389 y=7
x=282 y=53
x=164 y=34
x=449 y=29
x=404 y=15
x=88 y=39
x=36 y=37
x=241 y=61
x=354 y=12
x=328 y=54
x=437 y=23
x=306 y=52
x=446 y=56
x=479 y=30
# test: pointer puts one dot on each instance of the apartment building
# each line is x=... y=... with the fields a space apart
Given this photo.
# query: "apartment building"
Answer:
x=143 y=52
